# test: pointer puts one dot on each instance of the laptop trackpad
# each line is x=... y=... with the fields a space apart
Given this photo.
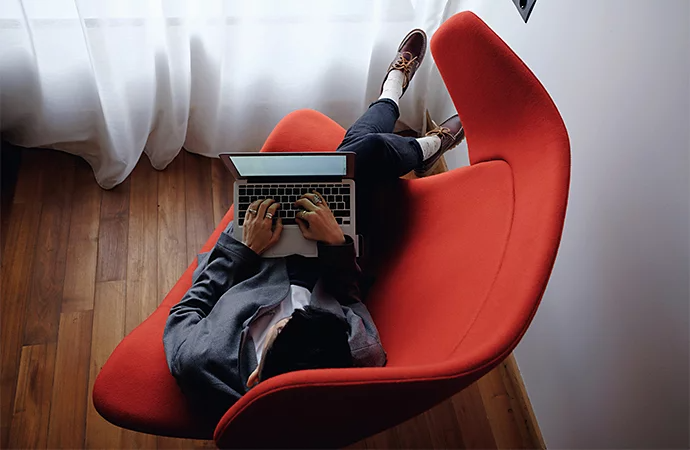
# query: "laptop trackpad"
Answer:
x=292 y=243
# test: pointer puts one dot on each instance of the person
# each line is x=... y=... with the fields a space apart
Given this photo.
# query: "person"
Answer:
x=247 y=319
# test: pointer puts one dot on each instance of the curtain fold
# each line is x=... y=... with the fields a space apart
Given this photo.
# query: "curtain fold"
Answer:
x=109 y=80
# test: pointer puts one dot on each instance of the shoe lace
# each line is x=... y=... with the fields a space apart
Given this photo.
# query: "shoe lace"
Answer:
x=404 y=64
x=441 y=132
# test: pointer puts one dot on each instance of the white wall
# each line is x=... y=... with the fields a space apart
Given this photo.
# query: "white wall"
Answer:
x=605 y=361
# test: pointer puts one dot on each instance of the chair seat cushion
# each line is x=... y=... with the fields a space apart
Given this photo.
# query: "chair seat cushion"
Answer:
x=455 y=231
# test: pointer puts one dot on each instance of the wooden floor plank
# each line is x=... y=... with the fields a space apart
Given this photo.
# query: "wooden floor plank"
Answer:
x=222 y=190
x=385 y=439
x=112 y=234
x=142 y=248
x=82 y=246
x=414 y=433
x=29 y=185
x=133 y=440
x=17 y=265
x=164 y=443
x=71 y=381
x=199 y=199
x=172 y=229
x=183 y=444
x=471 y=415
x=108 y=331
x=500 y=412
x=31 y=414
x=446 y=430
x=522 y=407
x=48 y=274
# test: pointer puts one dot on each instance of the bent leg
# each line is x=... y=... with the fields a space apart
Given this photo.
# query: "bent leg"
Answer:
x=379 y=118
x=383 y=156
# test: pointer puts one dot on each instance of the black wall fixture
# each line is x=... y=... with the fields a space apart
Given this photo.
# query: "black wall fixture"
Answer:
x=525 y=7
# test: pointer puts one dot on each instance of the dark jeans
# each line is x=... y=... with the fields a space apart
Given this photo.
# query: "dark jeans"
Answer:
x=381 y=155
x=381 y=159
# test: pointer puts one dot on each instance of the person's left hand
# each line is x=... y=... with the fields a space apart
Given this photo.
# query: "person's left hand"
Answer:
x=316 y=220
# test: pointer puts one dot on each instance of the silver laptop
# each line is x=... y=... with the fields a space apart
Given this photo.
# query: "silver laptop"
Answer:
x=284 y=177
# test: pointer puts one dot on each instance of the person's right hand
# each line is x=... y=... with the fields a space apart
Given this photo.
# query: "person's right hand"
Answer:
x=316 y=220
x=258 y=232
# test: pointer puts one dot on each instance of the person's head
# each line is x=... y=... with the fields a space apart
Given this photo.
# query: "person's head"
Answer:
x=311 y=338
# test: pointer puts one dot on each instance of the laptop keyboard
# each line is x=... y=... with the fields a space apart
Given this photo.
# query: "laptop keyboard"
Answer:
x=337 y=196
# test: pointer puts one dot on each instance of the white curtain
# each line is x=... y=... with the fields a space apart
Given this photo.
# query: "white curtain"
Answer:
x=109 y=80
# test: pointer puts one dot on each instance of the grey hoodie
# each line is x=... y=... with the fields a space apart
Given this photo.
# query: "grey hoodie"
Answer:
x=207 y=344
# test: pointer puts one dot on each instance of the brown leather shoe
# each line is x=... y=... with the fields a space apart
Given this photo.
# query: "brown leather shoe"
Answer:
x=409 y=57
x=451 y=133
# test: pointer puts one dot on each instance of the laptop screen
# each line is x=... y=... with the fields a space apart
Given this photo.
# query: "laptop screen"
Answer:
x=290 y=165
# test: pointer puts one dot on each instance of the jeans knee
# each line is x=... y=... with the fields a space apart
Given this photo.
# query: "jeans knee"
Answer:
x=375 y=138
x=365 y=146
x=374 y=142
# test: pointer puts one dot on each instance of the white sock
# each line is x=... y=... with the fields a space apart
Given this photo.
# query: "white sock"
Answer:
x=430 y=145
x=393 y=86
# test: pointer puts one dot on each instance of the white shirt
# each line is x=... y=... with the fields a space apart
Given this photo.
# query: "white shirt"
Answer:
x=296 y=298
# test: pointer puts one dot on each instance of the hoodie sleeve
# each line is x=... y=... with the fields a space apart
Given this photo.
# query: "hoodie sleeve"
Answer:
x=341 y=276
x=228 y=263
x=340 y=272
x=365 y=344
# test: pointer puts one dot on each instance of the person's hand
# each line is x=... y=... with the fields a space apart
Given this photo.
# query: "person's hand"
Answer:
x=316 y=221
x=258 y=231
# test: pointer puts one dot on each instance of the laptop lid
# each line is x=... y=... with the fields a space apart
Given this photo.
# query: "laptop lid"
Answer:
x=290 y=166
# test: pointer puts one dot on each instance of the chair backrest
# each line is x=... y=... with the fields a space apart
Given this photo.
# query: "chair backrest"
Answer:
x=469 y=270
x=509 y=116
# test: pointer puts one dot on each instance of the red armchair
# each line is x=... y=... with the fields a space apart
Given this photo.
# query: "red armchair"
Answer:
x=452 y=301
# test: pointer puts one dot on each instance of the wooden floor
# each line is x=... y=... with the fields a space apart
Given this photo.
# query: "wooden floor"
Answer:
x=81 y=267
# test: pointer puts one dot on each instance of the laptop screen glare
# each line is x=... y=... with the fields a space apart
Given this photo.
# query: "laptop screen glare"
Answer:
x=290 y=165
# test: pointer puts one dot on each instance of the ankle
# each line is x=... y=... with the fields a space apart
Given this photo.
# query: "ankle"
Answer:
x=429 y=145
x=393 y=86
x=396 y=76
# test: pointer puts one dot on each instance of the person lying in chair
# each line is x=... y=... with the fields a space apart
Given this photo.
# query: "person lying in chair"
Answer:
x=247 y=319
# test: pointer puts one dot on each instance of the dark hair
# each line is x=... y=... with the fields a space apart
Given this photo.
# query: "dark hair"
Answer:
x=312 y=339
